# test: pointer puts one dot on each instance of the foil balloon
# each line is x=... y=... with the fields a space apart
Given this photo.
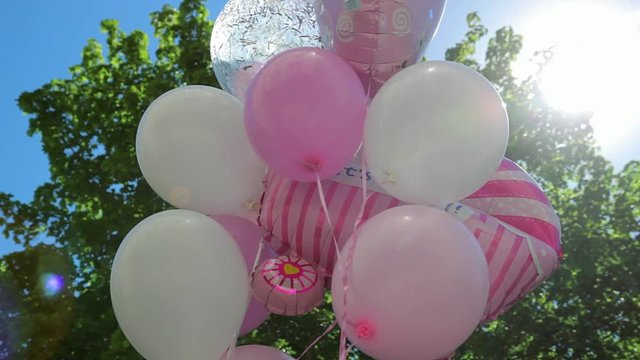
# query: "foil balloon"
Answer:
x=518 y=262
x=295 y=225
x=288 y=286
x=515 y=198
x=247 y=33
x=378 y=37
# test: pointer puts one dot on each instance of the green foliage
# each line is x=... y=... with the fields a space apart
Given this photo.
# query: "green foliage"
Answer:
x=29 y=314
x=587 y=310
x=463 y=51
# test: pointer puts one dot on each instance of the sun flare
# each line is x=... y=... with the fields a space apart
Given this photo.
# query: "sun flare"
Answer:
x=595 y=65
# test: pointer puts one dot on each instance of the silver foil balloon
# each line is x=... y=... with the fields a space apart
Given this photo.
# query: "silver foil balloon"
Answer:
x=247 y=33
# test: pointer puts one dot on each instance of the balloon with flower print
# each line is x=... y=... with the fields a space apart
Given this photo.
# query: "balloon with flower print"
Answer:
x=519 y=257
x=380 y=184
x=288 y=285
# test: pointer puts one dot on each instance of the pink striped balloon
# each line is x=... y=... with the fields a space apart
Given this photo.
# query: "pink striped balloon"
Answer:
x=517 y=262
x=521 y=253
x=292 y=217
x=515 y=198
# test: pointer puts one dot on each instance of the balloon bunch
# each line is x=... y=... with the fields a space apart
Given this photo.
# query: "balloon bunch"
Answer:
x=336 y=162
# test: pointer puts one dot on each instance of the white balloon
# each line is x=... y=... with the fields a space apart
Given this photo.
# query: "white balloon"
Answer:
x=256 y=352
x=179 y=287
x=193 y=150
x=435 y=133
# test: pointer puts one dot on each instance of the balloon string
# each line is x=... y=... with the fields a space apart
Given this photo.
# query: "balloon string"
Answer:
x=325 y=333
x=231 y=351
x=325 y=209
x=344 y=350
x=256 y=261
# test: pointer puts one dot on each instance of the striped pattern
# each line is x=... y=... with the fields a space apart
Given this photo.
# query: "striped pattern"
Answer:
x=514 y=197
x=511 y=258
x=294 y=223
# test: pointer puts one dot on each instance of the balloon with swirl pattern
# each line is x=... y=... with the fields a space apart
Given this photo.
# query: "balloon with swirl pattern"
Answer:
x=378 y=37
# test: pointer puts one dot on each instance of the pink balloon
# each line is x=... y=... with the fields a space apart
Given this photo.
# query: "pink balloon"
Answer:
x=294 y=222
x=515 y=198
x=289 y=286
x=418 y=285
x=304 y=113
x=257 y=352
x=247 y=236
x=517 y=262
x=292 y=217
x=379 y=37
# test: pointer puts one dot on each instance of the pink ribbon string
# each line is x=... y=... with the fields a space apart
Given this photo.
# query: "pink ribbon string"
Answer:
x=256 y=261
x=325 y=333
x=344 y=350
x=325 y=209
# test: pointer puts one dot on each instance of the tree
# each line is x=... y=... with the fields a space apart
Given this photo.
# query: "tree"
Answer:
x=587 y=310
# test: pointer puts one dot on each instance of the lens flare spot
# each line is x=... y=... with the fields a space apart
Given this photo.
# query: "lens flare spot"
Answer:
x=52 y=284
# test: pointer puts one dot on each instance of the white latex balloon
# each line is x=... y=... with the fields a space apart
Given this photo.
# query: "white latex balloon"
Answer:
x=435 y=133
x=179 y=287
x=247 y=33
x=256 y=352
x=193 y=150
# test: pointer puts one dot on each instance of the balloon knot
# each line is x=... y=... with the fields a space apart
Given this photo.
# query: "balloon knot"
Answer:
x=253 y=205
x=364 y=330
x=312 y=164
x=391 y=179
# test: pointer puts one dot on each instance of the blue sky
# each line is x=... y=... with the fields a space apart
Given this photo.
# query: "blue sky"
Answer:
x=42 y=38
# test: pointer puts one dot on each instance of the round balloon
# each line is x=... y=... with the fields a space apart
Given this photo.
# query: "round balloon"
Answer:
x=305 y=113
x=379 y=37
x=288 y=286
x=256 y=352
x=247 y=33
x=419 y=296
x=179 y=287
x=247 y=236
x=435 y=133
x=193 y=151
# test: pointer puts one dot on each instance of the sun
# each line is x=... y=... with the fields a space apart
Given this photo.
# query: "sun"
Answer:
x=595 y=65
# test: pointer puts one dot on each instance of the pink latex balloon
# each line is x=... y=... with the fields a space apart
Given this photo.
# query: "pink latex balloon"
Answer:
x=418 y=285
x=379 y=37
x=292 y=218
x=304 y=113
x=256 y=352
x=247 y=236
